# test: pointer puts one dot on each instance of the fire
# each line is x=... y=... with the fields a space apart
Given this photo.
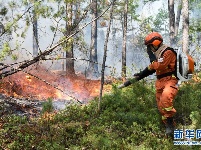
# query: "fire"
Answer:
x=28 y=78
x=61 y=95
x=53 y=85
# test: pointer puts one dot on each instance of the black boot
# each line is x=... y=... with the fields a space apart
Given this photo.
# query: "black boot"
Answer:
x=169 y=127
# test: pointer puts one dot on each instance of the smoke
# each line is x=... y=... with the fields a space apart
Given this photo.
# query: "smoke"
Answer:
x=136 y=57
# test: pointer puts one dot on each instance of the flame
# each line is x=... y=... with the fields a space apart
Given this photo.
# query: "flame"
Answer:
x=28 y=78
x=59 y=87
x=61 y=95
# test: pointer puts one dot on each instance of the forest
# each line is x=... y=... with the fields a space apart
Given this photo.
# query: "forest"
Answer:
x=62 y=62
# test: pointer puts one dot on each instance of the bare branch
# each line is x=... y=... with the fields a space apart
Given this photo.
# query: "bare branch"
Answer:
x=105 y=53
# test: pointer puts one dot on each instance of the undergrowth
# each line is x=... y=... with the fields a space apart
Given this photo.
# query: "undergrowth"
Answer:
x=127 y=120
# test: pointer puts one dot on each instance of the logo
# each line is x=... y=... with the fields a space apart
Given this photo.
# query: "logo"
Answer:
x=187 y=137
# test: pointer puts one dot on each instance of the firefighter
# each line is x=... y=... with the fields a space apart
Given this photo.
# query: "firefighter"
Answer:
x=163 y=61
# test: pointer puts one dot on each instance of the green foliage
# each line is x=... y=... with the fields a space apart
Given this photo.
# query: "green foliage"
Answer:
x=128 y=119
x=160 y=21
x=47 y=106
x=157 y=23
x=188 y=100
x=5 y=51
x=146 y=1
x=3 y=11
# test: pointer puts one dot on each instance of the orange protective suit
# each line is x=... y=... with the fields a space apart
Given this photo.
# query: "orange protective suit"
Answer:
x=166 y=87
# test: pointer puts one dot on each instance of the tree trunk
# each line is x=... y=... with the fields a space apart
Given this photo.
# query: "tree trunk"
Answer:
x=171 y=22
x=2 y=29
x=124 y=40
x=178 y=17
x=185 y=15
x=93 y=66
x=105 y=54
x=69 y=45
x=35 y=33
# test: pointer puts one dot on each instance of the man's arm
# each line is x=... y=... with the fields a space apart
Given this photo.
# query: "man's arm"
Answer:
x=146 y=72
x=138 y=76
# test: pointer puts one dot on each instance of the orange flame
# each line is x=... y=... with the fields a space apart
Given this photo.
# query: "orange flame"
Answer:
x=58 y=87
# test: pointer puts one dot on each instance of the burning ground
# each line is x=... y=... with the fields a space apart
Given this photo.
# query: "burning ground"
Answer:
x=39 y=84
x=45 y=84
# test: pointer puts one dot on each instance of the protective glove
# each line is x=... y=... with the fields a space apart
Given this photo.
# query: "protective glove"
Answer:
x=152 y=57
x=146 y=72
x=137 y=76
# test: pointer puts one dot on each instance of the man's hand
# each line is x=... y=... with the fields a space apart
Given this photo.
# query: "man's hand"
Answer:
x=137 y=76
x=152 y=57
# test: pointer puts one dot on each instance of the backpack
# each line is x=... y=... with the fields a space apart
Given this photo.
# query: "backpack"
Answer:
x=184 y=65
